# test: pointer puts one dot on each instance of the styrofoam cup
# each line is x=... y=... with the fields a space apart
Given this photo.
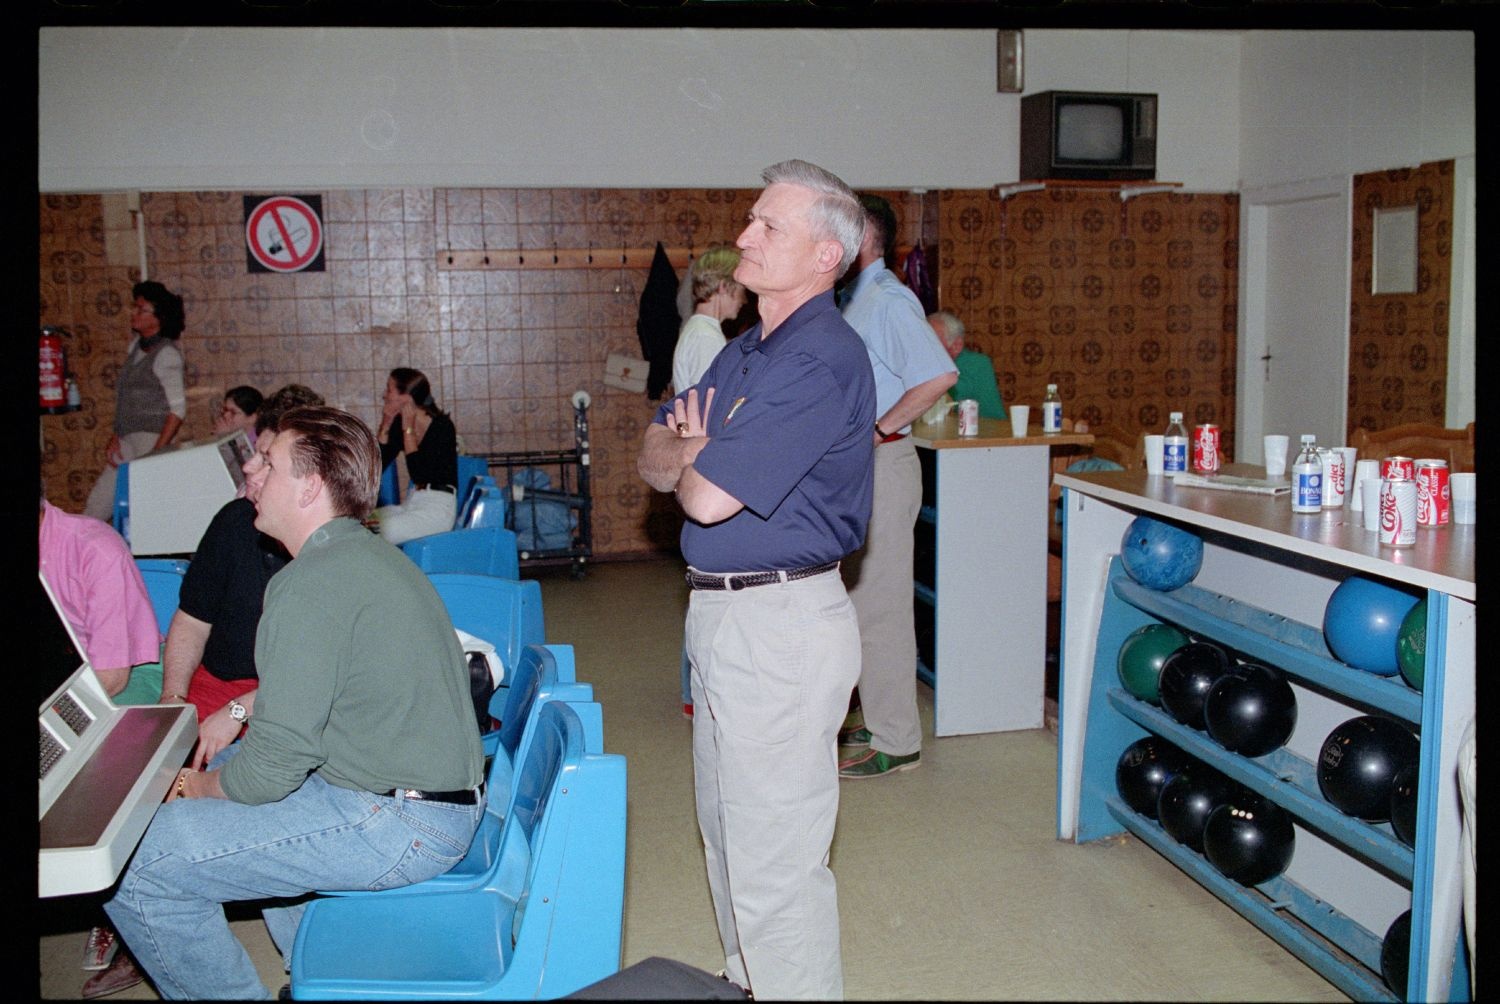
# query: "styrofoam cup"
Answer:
x=1362 y=469
x=1461 y=491
x=1276 y=447
x=1369 y=489
x=1020 y=414
x=1155 y=445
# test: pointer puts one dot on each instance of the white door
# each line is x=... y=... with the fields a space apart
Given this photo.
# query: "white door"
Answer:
x=1293 y=359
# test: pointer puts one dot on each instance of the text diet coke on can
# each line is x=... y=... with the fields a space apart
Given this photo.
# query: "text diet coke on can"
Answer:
x=968 y=417
x=1206 y=448
x=1398 y=512
x=1398 y=467
x=1433 y=499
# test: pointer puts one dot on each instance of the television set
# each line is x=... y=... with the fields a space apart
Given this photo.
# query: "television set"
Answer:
x=1096 y=135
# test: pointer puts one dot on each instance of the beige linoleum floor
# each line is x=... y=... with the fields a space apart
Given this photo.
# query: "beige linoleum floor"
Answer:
x=952 y=884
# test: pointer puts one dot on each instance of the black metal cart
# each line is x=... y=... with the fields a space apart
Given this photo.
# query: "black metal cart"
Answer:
x=553 y=524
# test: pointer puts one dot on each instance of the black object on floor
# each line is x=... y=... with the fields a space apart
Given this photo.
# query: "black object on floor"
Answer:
x=659 y=979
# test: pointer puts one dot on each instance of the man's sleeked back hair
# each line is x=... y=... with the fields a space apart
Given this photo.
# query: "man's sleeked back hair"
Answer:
x=836 y=215
x=340 y=449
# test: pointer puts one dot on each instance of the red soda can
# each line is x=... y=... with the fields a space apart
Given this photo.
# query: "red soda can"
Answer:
x=1398 y=512
x=1433 y=499
x=1206 y=448
x=1398 y=467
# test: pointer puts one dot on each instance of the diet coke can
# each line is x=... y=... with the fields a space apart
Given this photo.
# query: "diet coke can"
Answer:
x=1398 y=512
x=1206 y=448
x=1334 y=478
x=968 y=417
x=1432 y=493
x=1398 y=467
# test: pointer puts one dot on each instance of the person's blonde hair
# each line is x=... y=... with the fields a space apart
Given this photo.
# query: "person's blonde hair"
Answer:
x=711 y=269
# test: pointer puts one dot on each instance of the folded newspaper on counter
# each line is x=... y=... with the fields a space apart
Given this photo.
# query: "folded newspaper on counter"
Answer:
x=1232 y=483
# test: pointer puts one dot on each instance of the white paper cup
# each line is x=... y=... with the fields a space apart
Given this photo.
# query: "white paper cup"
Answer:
x=1369 y=489
x=1362 y=469
x=1276 y=447
x=1154 y=448
x=1020 y=414
x=1461 y=492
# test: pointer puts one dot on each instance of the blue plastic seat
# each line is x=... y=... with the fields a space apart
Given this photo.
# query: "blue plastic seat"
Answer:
x=469 y=468
x=488 y=550
x=163 y=578
x=546 y=922
x=467 y=498
x=507 y=613
x=489 y=507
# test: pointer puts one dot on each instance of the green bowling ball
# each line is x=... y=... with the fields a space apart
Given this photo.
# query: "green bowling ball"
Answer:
x=1141 y=656
x=1411 y=645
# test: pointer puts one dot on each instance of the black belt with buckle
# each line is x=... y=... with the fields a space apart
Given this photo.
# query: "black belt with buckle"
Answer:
x=744 y=580
x=437 y=488
x=463 y=796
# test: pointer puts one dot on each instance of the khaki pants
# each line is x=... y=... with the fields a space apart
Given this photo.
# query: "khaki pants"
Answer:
x=772 y=670
x=101 y=502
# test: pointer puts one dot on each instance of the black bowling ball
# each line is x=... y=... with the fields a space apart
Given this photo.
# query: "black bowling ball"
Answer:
x=1252 y=711
x=1144 y=769
x=1189 y=799
x=1249 y=840
x=1186 y=677
x=1395 y=954
x=1359 y=762
x=1404 y=805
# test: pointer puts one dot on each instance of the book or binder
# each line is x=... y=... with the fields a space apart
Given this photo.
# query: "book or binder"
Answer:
x=1232 y=483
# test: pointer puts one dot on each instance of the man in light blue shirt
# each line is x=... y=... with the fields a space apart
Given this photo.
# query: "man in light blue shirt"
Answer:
x=912 y=370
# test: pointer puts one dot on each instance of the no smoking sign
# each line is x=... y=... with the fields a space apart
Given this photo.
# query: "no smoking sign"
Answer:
x=284 y=233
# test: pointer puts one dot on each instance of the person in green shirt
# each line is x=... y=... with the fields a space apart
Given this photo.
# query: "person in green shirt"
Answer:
x=976 y=374
x=360 y=768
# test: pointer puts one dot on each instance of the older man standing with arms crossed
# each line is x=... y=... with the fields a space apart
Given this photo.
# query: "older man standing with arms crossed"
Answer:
x=773 y=470
x=912 y=370
x=361 y=768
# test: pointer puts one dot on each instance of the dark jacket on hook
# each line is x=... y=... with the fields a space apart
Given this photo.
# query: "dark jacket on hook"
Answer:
x=657 y=323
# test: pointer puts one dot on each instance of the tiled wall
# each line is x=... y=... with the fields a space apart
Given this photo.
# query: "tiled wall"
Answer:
x=1129 y=307
x=504 y=347
x=1398 y=342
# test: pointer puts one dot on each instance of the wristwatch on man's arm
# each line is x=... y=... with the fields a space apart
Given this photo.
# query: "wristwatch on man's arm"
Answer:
x=238 y=711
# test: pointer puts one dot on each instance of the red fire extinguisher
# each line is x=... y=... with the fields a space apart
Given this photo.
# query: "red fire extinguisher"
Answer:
x=52 y=369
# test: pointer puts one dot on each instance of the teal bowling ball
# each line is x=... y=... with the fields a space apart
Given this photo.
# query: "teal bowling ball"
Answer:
x=1141 y=656
x=1361 y=622
x=1411 y=645
x=1159 y=555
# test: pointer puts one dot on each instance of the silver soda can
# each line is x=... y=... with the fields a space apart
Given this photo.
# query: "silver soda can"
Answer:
x=1398 y=512
x=1433 y=499
x=968 y=417
x=1334 y=478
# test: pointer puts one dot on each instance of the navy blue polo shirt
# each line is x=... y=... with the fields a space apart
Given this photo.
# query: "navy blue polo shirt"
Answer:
x=790 y=437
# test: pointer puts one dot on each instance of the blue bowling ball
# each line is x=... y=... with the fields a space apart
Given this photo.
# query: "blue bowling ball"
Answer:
x=1159 y=555
x=1362 y=621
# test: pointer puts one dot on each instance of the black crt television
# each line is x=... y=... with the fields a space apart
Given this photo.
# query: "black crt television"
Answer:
x=1098 y=135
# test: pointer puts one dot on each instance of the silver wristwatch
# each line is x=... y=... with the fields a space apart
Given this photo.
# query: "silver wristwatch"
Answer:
x=238 y=711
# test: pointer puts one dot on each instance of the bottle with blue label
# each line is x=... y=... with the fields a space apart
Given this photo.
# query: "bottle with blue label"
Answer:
x=1052 y=410
x=1307 y=478
x=1175 y=445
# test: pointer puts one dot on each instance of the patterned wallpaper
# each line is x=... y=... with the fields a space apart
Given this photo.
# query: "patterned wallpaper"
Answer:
x=1129 y=307
x=505 y=347
x=1398 y=342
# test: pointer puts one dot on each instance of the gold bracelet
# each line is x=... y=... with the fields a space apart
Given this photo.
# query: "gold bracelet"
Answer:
x=180 y=779
x=411 y=432
x=174 y=697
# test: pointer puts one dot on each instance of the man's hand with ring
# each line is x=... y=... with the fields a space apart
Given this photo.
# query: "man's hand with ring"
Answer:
x=691 y=420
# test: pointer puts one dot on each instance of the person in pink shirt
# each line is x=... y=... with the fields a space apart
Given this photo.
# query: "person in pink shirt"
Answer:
x=101 y=592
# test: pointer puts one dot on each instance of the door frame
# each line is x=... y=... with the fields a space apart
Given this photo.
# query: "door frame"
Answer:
x=1255 y=207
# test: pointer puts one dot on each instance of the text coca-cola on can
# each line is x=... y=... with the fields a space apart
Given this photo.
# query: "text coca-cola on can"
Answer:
x=1206 y=448
x=1433 y=499
x=1398 y=467
x=968 y=417
x=1398 y=512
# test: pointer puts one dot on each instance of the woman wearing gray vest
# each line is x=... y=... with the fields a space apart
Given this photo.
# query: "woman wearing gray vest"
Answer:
x=150 y=402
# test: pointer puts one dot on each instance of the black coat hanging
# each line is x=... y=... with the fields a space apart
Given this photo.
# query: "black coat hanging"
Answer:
x=657 y=323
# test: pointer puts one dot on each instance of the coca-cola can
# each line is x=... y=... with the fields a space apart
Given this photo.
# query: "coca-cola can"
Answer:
x=1398 y=467
x=1398 y=512
x=1206 y=448
x=1433 y=499
x=968 y=417
x=1335 y=478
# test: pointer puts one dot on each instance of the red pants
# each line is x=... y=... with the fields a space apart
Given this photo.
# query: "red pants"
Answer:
x=208 y=693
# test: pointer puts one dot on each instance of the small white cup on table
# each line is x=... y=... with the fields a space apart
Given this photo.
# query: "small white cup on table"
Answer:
x=1370 y=489
x=1276 y=447
x=1461 y=491
x=1020 y=414
x=1155 y=451
x=1363 y=470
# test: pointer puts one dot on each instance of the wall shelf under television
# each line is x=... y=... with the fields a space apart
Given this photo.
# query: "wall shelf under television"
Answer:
x=1125 y=189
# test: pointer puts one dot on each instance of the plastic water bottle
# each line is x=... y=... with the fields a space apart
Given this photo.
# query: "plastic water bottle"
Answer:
x=1052 y=410
x=1175 y=445
x=1307 y=478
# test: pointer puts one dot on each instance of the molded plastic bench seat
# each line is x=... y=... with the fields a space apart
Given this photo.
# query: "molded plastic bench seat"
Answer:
x=487 y=550
x=507 y=613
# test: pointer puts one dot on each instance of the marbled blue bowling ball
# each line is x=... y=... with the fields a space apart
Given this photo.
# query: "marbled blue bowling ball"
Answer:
x=1362 y=621
x=1159 y=555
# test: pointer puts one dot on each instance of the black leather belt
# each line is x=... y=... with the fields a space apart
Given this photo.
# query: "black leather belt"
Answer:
x=437 y=488
x=744 y=580
x=463 y=796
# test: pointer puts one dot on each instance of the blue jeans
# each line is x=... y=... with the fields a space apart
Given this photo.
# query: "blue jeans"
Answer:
x=200 y=853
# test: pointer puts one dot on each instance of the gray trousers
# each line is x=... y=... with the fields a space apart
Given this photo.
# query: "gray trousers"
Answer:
x=772 y=670
x=101 y=502
x=880 y=584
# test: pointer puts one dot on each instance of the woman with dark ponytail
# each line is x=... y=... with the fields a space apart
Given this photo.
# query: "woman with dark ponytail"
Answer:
x=416 y=426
